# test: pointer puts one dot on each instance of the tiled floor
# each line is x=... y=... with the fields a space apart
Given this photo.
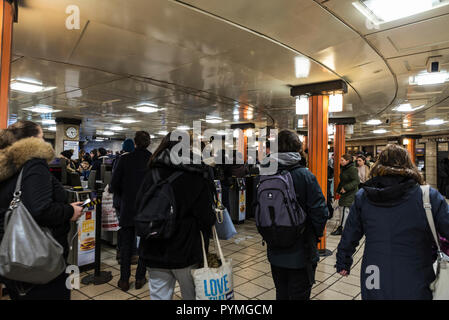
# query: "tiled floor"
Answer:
x=252 y=275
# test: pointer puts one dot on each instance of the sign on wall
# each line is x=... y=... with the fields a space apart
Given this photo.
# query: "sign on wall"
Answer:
x=72 y=145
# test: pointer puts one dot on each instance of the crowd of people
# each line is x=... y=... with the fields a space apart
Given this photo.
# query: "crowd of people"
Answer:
x=381 y=201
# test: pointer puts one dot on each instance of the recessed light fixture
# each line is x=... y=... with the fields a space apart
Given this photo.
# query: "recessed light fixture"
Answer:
x=117 y=128
x=407 y=107
x=213 y=119
x=40 y=108
x=379 y=131
x=28 y=86
x=52 y=128
x=434 y=122
x=426 y=78
x=382 y=11
x=335 y=103
x=127 y=120
x=48 y=121
x=163 y=133
x=183 y=128
x=373 y=122
x=302 y=105
x=302 y=67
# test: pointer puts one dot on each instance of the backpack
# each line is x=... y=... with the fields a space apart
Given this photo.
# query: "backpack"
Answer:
x=157 y=211
x=279 y=217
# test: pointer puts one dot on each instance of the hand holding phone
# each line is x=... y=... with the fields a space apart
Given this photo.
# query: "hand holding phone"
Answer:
x=86 y=203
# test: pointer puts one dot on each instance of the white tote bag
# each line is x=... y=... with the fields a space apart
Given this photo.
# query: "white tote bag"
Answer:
x=440 y=287
x=108 y=214
x=214 y=283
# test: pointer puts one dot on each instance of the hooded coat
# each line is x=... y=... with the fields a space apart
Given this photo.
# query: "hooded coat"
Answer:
x=389 y=212
x=310 y=197
x=349 y=180
x=42 y=194
x=193 y=192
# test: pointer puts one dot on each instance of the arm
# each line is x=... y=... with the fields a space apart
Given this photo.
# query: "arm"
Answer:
x=117 y=177
x=440 y=213
x=352 y=233
x=37 y=195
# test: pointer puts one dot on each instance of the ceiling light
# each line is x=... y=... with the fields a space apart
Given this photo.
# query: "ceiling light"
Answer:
x=40 y=108
x=52 y=128
x=373 y=122
x=336 y=103
x=117 y=128
x=429 y=78
x=107 y=133
x=28 y=86
x=302 y=105
x=146 y=109
x=213 y=120
x=300 y=123
x=434 y=122
x=406 y=107
x=183 y=128
x=152 y=136
x=302 y=67
x=127 y=121
x=405 y=141
x=221 y=132
x=382 y=11
x=330 y=129
x=48 y=121
x=379 y=131
x=249 y=133
x=163 y=133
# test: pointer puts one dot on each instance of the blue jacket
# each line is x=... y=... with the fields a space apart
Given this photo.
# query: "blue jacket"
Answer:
x=389 y=212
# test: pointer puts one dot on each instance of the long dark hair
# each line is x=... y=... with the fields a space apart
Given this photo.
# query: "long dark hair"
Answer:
x=395 y=160
x=20 y=130
x=166 y=144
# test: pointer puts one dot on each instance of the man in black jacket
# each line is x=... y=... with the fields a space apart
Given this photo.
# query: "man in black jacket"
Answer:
x=126 y=181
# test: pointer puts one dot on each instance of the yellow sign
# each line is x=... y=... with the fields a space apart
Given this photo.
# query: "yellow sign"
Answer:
x=88 y=226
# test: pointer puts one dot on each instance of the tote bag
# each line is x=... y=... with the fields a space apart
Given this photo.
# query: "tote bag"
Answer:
x=109 y=220
x=28 y=253
x=214 y=283
x=224 y=226
x=440 y=287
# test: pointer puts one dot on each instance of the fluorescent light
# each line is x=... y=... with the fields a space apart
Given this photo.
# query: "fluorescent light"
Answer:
x=152 y=136
x=379 y=131
x=105 y=133
x=127 y=121
x=52 y=128
x=213 y=120
x=28 y=86
x=48 y=121
x=374 y=122
x=117 y=128
x=300 y=123
x=434 y=122
x=163 y=133
x=146 y=109
x=302 y=67
x=405 y=141
x=382 y=11
x=429 y=78
x=302 y=105
x=406 y=107
x=336 y=103
x=40 y=108
x=183 y=128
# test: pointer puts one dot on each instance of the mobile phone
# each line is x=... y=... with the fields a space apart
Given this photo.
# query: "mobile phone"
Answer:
x=86 y=203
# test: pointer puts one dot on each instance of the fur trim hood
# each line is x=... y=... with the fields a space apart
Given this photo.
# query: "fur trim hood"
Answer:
x=13 y=158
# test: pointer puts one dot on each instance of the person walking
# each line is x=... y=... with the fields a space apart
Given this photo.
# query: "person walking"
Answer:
x=347 y=188
x=293 y=268
x=125 y=183
x=173 y=259
x=23 y=149
x=389 y=212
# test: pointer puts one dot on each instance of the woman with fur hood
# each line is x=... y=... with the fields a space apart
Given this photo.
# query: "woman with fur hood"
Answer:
x=22 y=148
x=389 y=212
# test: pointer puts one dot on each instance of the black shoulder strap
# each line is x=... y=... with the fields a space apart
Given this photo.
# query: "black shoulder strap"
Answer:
x=174 y=176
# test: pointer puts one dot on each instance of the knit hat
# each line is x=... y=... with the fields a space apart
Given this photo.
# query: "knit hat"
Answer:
x=128 y=145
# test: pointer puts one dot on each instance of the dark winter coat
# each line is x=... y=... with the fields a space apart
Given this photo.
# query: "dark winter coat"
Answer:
x=126 y=181
x=308 y=192
x=389 y=212
x=42 y=194
x=193 y=195
x=349 y=180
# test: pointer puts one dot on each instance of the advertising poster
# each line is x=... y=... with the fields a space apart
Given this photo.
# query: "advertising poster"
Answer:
x=86 y=238
x=72 y=145
x=242 y=205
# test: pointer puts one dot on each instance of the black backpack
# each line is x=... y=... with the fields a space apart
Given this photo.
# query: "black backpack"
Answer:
x=157 y=211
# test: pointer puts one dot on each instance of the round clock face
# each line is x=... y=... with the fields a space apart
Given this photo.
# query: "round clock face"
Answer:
x=71 y=132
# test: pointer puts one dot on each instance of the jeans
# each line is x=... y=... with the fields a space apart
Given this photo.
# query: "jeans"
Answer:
x=344 y=215
x=292 y=284
x=127 y=245
x=163 y=281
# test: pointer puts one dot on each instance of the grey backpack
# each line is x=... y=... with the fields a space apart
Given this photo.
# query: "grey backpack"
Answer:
x=28 y=253
x=279 y=217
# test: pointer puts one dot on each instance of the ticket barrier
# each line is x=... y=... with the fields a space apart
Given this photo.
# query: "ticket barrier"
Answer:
x=237 y=200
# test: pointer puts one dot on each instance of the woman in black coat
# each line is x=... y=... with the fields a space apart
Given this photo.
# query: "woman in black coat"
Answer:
x=22 y=147
x=389 y=212
x=173 y=259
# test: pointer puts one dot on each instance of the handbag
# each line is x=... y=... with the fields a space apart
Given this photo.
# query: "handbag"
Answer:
x=214 y=283
x=224 y=226
x=109 y=220
x=439 y=287
x=28 y=253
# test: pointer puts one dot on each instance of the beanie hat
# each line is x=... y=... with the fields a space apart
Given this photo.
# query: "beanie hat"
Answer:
x=128 y=145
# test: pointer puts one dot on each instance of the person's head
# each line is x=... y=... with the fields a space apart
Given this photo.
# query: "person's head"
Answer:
x=289 y=141
x=142 y=139
x=67 y=154
x=166 y=144
x=102 y=152
x=361 y=160
x=128 y=145
x=20 y=130
x=369 y=157
x=345 y=159
x=93 y=153
x=395 y=160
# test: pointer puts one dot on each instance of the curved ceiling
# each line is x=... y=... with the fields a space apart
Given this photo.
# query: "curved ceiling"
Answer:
x=233 y=59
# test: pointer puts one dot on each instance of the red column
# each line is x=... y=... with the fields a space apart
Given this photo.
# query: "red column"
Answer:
x=317 y=144
x=6 y=26
x=411 y=148
x=339 y=150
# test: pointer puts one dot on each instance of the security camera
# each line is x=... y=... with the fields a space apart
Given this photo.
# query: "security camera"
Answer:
x=433 y=64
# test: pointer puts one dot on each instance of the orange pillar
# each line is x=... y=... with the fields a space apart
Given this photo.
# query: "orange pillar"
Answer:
x=317 y=144
x=339 y=150
x=411 y=148
x=7 y=18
